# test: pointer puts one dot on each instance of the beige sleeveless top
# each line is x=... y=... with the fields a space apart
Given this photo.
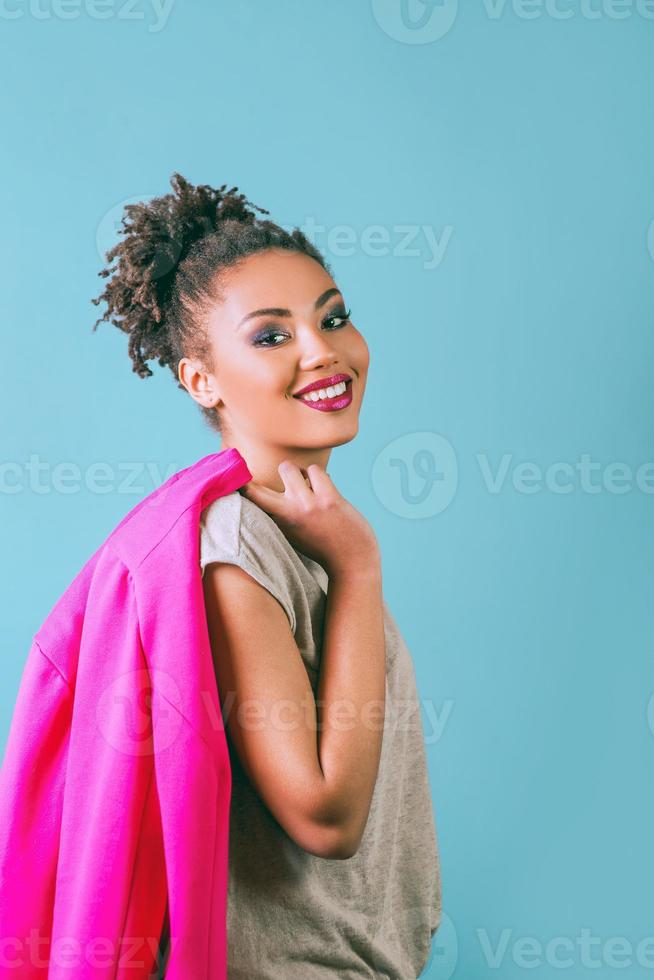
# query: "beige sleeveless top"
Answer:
x=292 y=915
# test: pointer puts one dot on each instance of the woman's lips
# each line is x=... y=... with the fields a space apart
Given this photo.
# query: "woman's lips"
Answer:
x=329 y=404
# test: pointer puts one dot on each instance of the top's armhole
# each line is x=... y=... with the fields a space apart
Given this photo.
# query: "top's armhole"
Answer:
x=250 y=560
x=243 y=562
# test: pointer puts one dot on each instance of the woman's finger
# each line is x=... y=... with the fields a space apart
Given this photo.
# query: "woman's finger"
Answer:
x=293 y=478
x=320 y=480
x=269 y=500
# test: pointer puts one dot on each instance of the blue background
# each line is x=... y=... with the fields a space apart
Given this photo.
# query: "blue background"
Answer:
x=527 y=134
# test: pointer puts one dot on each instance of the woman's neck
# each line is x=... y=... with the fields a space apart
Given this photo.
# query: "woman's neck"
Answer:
x=262 y=461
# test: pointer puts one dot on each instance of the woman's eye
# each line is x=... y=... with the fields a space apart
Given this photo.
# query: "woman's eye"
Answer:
x=261 y=340
x=266 y=338
x=337 y=315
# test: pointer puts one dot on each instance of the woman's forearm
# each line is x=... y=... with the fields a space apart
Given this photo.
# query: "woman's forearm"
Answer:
x=351 y=696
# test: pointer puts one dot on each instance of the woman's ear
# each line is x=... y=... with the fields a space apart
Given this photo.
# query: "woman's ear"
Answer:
x=199 y=383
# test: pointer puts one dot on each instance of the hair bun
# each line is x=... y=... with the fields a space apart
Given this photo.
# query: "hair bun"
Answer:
x=164 y=269
x=159 y=234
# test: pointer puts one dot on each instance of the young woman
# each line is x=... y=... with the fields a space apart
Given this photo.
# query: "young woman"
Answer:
x=333 y=862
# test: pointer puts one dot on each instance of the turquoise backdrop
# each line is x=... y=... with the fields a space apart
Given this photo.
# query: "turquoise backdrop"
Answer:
x=480 y=177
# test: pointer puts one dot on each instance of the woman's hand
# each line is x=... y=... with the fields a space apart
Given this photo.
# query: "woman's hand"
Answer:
x=317 y=519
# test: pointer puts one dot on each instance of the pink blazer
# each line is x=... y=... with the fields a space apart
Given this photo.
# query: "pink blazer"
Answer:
x=116 y=783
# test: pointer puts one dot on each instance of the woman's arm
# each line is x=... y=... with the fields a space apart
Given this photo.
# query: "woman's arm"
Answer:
x=313 y=767
x=351 y=696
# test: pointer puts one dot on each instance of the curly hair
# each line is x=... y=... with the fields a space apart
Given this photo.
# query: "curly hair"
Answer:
x=169 y=265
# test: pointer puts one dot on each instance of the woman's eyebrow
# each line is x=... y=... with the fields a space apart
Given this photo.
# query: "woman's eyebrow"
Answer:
x=279 y=311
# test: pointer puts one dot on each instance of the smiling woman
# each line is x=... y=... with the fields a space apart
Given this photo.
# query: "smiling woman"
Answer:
x=189 y=286
x=333 y=862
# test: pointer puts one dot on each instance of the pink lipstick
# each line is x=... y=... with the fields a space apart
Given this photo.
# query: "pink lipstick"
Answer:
x=322 y=400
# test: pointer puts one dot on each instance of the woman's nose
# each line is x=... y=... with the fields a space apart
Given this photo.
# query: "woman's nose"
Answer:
x=317 y=351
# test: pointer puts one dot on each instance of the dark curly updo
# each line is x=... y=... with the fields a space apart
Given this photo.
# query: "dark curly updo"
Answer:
x=168 y=270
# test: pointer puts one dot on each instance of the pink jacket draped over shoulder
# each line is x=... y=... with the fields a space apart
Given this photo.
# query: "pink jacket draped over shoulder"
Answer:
x=116 y=783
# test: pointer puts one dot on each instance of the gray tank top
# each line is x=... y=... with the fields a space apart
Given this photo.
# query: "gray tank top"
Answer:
x=292 y=915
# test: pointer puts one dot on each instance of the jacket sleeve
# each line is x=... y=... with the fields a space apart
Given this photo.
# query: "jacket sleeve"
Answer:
x=81 y=857
x=31 y=794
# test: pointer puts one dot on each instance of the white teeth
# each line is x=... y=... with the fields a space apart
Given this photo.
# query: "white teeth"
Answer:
x=329 y=392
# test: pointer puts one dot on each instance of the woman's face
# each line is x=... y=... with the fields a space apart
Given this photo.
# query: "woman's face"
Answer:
x=262 y=359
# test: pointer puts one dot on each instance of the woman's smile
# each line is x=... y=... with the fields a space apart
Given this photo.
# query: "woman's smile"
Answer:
x=332 y=396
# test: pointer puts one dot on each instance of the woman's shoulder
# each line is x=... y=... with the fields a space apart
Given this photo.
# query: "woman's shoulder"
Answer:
x=220 y=523
x=233 y=524
x=235 y=530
